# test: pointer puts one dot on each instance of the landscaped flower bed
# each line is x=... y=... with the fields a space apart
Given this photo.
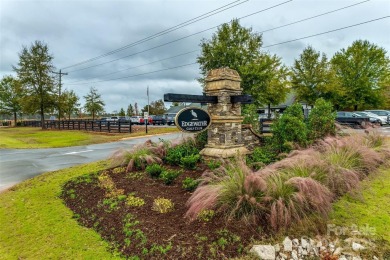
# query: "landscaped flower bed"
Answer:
x=149 y=207
x=125 y=217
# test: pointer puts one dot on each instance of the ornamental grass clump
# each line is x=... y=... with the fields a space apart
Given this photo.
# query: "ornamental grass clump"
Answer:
x=136 y=159
x=233 y=189
x=292 y=199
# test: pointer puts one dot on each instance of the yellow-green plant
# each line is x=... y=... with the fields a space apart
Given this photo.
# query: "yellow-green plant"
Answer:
x=163 y=205
x=119 y=170
x=134 y=201
x=106 y=183
x=206 y=215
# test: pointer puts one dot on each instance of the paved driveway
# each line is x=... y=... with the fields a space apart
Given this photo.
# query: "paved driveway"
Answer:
x=17 y=165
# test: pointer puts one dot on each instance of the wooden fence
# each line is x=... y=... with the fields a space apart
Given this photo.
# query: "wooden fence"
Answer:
x=84 y=124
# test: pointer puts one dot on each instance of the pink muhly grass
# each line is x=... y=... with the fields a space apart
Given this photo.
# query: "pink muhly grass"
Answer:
x=285 y=202
x=204 y=197
x=318 y=196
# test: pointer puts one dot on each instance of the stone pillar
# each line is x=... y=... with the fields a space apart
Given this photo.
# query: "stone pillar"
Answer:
x=224 y=135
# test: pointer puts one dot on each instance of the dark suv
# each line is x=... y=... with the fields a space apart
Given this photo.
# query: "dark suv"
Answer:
x=158 y=120
x=170 y=118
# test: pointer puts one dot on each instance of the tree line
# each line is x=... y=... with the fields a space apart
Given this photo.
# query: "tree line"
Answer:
x=36 y=89
x=357 y=77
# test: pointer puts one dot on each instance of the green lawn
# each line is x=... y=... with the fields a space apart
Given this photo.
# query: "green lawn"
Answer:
x=35 y=224
x=32 y=137
x=370 y=207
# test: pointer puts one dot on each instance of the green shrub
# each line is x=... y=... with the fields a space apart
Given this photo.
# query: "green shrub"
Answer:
x=154 y=170
x=168 y=176
x=190 y=161
x=290 y=127
x=190 y=184
x=321 y=120
x=175 y=154
x=261 y=156
x=213 y=164
x=201 y=140
x=163 y=205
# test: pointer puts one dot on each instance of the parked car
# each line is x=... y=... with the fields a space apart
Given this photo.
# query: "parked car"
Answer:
x=124 y=119
x=373 y=117
x=170 y=118
x=137 y=120
x=158 y=120
x=103 y=121
x=383 y=114
x=150 y=120
x=350 y=118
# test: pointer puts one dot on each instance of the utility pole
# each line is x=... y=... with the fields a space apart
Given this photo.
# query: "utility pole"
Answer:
x=60 y=73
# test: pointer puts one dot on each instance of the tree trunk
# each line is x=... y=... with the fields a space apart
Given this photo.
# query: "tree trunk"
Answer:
x=42 y=117
x=15 y=117
x=355 y=107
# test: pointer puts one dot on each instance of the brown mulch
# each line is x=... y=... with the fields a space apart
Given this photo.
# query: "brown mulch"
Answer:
x=216 y=239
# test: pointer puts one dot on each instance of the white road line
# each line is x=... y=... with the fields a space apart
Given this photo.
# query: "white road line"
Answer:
x=86 y=151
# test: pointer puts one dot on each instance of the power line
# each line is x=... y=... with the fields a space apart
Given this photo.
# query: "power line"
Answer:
x=142 y=65
x=280 y=43
x=317 y=34
x=312 y=17
x=274 y=28
x=171 y=29
x=179 y=39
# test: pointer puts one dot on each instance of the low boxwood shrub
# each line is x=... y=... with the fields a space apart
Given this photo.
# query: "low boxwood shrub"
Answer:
x=168 y=176
x=190 y=161
x=190 y=184
x=206 y=215
x=213 y=164
x=154 y=170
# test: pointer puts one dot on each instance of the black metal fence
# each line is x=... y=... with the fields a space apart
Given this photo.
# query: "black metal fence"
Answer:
x=84 y=124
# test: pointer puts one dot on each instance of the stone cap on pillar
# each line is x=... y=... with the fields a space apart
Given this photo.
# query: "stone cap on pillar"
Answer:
x=222 y=79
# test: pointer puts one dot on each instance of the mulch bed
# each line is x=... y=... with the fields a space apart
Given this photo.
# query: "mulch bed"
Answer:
x=168 y=235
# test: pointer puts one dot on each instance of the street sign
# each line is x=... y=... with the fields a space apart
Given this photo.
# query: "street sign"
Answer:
x=146 y=115
x=193 y=120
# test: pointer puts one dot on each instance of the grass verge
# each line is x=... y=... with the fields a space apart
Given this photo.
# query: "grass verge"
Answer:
x=368 y=207
x=32 y=137
x=35 y=223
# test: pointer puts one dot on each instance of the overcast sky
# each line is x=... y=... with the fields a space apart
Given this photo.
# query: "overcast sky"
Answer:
x=76 y=31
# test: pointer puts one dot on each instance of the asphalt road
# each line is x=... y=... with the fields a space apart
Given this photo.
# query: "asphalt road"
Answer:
x=17 y=165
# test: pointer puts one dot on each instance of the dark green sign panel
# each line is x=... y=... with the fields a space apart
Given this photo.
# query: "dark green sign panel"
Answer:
x=193 y=120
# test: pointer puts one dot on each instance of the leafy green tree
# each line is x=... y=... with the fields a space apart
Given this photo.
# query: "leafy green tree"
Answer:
x=93 y=103
x=69 y=102
x=321 y=121
x=311 y=76
x=122 y=112
x=362 y=73
x=267 y=78
x=130 y=110
x=35 y=74
x=156 y=107
x=231 y=46
x=10 y=96
x=263 y=75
